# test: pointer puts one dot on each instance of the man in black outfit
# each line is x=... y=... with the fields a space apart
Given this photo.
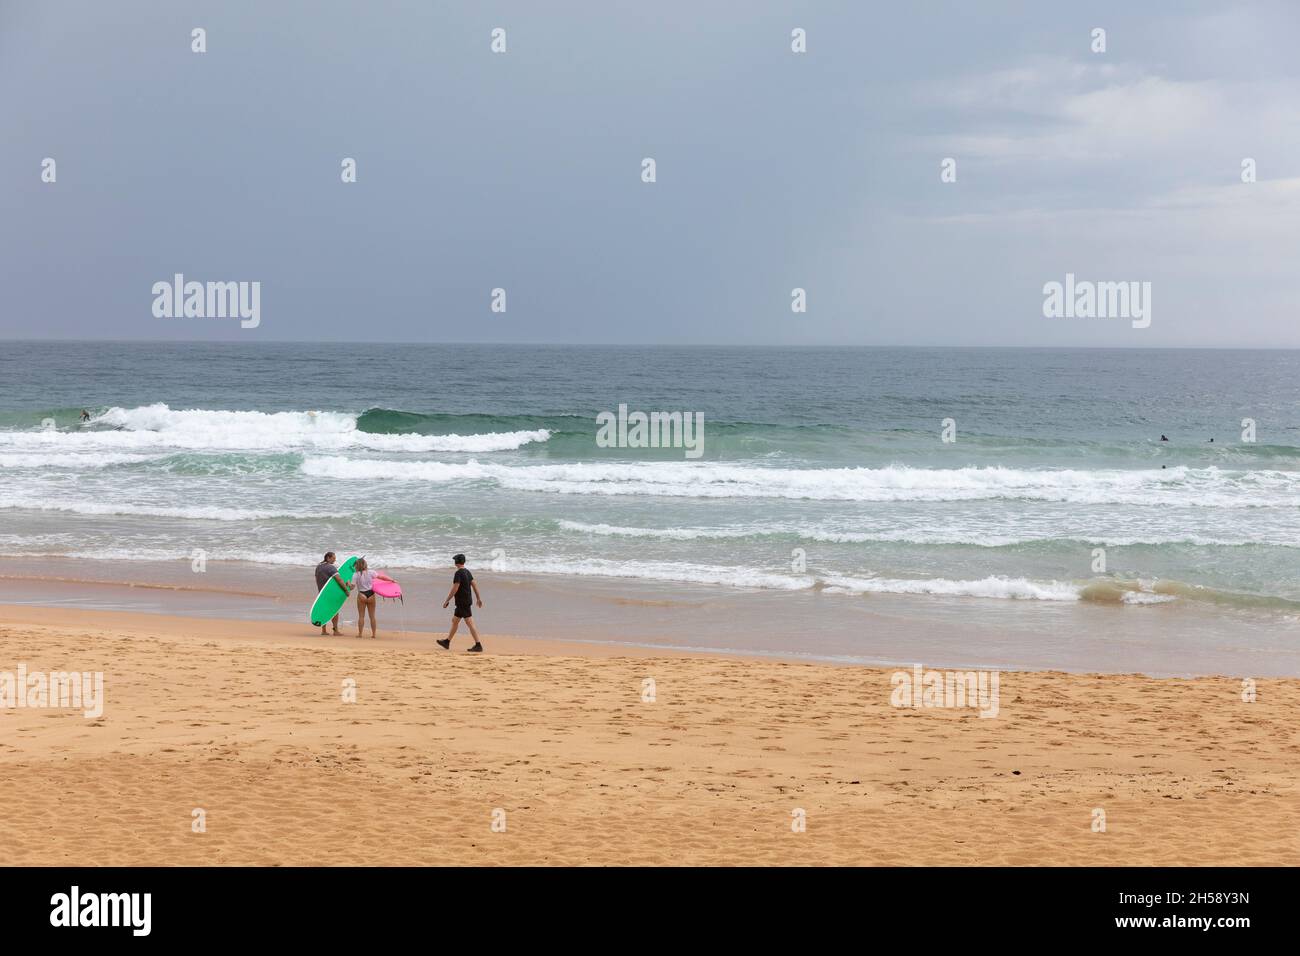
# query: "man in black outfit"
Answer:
x=462 y=582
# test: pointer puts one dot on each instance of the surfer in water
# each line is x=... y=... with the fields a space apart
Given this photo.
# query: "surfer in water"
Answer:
x=324 y=571
x=364 y=580
x=462 y=582
x=85 y=415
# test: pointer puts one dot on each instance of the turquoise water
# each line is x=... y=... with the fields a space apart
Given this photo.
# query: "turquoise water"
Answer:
x=821 y=469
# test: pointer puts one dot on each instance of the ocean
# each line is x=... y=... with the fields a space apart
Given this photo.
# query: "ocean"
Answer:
x=821 y=471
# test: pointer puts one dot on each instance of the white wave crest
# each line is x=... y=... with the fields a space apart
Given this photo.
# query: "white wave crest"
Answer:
x=158 y=427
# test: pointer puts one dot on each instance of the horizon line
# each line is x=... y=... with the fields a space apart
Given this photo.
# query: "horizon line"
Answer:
x=642 y=345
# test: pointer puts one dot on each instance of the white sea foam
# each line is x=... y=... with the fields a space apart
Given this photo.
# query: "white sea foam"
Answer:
x=154 y=427
x=474 y=444
x=1143 y=597
x=801 y=532
x=1057 y=534
x=198 y=512
x=212 y=555
x=1180 y=486
x=1020 y=589
x=669 y=534
x=68 y=460
x=678 y=572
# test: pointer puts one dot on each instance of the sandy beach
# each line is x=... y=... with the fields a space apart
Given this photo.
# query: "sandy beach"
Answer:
x=246 y=721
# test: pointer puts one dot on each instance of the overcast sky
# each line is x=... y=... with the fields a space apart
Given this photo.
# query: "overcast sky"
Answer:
x=775 y=170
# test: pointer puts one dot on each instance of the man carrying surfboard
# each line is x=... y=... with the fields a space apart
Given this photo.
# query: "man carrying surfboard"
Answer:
x=461 y=584
x=324 y=571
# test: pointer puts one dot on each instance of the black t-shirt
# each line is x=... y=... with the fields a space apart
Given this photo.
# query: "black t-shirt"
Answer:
x=464 y=596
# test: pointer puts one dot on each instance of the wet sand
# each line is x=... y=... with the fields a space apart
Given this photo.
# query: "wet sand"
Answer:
x=1171 y=640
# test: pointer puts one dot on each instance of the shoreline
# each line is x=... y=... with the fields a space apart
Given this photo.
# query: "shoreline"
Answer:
x=246 y=722
x=1165 y=640
x=184 y=628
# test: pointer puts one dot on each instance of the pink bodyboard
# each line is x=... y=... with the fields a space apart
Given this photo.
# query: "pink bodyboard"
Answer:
x=388 y=589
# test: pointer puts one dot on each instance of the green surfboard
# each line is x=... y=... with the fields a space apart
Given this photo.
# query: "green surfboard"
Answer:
x=332 y=597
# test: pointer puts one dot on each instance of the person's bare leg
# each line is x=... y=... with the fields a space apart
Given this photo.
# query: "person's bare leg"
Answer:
x=446 y=641
x=336 y=625
x=473 y=630
x=372 y=602
x=361 y=615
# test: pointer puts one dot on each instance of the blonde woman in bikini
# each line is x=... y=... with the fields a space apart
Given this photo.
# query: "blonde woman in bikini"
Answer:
x=363 y=579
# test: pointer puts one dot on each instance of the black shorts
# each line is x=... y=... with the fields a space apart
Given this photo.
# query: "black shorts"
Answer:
x=463 y=611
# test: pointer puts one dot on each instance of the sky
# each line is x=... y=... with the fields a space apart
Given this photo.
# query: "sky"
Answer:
x=774 y=170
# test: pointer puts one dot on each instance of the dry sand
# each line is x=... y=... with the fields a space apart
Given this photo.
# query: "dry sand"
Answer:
x=246 y=721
